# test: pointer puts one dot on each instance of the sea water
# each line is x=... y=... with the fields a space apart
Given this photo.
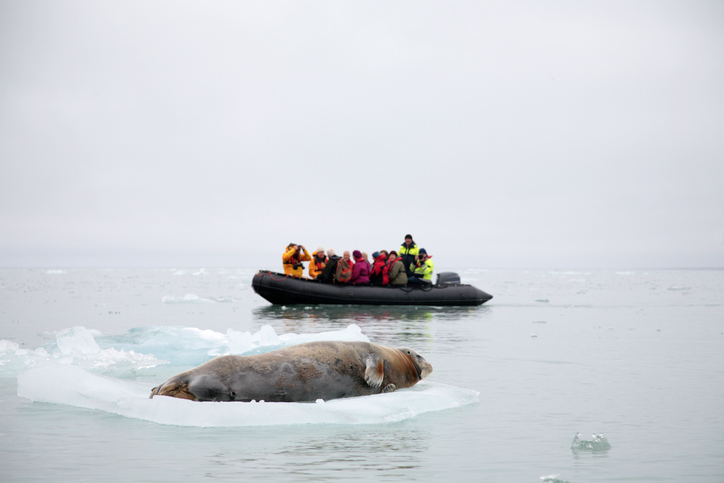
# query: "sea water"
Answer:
x=564 y=376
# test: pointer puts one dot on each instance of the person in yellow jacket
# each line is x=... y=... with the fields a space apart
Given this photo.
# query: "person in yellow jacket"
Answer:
x=407 y=253
x=319 y=261
x=421 y=269
x=293 y=258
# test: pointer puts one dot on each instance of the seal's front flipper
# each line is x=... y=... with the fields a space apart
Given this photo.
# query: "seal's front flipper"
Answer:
x=375 y=371
x=389 y=388
x=179 y=390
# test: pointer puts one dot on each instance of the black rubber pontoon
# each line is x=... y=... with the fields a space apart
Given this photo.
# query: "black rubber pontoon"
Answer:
x=282 y=289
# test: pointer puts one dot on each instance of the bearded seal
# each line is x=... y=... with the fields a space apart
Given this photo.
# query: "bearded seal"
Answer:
x=300 y=373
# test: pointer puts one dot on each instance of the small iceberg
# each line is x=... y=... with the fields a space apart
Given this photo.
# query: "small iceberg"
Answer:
x=598 y=443
x=552 y=479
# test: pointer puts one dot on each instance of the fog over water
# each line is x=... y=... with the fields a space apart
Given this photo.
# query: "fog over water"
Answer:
x=500 y=134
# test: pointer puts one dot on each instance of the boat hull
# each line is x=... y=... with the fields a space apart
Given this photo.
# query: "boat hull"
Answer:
x=282 y=289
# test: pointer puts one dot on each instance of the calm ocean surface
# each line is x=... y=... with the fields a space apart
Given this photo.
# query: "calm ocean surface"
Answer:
x=637 y=356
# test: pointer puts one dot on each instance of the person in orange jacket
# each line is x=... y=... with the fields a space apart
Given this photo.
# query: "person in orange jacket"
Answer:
x=319 y=261
x=293 y=258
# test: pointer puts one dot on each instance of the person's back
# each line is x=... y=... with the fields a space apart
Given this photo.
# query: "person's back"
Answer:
x=330 y=269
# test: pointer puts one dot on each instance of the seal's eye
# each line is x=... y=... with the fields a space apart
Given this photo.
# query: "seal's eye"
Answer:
x=409 y=352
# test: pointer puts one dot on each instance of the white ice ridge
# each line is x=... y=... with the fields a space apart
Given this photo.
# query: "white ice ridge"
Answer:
x=78 y=346
x=150 y=346
x=74 y=386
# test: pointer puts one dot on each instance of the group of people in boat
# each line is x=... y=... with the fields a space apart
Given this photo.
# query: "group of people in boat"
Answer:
x=410 y=265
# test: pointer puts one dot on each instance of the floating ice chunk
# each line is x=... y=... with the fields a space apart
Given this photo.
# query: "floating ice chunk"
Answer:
x=55 y=272
x=237 y=343
x=74 y=386
x=552 y=479
x=7 y=346
x=207 y=335
x=77 y=346
x=267 y=336
x=222 y=299
x=148 y=347
x=598 y=443
x=76 y=339
x=350 y=334
x=189 y=298
x=677 y=288
x=266 y=339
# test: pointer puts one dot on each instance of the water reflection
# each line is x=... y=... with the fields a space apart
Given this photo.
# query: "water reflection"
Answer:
x=382 y=451
x=382 y=324
x=361 y=313
x=385 y=453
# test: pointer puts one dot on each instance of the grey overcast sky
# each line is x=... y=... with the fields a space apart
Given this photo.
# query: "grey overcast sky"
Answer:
x=541 y=134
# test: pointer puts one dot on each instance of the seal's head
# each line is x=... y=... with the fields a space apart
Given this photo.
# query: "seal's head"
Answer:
x=421 y=366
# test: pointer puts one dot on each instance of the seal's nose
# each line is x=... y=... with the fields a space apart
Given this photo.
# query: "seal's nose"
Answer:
x=425 y=368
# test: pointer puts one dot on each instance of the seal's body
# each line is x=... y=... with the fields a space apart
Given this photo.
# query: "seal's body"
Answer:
x=304 y=372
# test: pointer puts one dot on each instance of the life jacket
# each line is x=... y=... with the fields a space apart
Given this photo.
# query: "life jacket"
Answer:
x=320 y=265
x=378 y=267
x=380 y=271
x=294 y=259
x=344 y=270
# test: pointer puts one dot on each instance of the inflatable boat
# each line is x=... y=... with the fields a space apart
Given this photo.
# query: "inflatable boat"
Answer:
x=282 y=289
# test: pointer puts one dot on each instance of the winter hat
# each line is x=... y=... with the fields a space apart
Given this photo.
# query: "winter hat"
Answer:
x=356 y=254
x=375 y=254
x=408 y=236
x=423 y=251
x=320 y=250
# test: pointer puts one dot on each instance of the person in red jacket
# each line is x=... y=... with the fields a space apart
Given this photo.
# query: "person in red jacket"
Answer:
x=380 y=269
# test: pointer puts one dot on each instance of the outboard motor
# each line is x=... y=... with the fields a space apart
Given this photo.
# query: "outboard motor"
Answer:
x=445 y=279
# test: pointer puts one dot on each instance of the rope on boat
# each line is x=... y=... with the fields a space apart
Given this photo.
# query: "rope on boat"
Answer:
x=278 y=279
